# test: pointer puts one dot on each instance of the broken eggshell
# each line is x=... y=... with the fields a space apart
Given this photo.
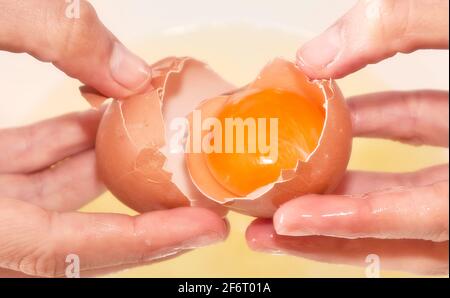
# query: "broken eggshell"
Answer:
x=320 y=173
x=132 y=146
x=136 y=162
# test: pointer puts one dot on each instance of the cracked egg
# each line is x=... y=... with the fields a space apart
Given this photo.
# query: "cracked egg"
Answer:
x=193 y=139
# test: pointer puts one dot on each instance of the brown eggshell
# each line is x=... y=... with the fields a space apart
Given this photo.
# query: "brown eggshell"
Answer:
x=322 y=171
x=131 y=148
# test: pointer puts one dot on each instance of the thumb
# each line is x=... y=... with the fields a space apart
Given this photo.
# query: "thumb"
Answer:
x=374 y=30
x=37 y=242
x=71 y=36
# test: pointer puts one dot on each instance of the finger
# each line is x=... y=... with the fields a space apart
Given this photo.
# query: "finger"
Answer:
x=108 y=271
x=71 y=36
x=67 y=186
x=34 y=147
x=103 y=272
x=413 y=213
x=360 y=182
x=37 y=242
x=417 y=256
x=418 y=117
x=374 y=30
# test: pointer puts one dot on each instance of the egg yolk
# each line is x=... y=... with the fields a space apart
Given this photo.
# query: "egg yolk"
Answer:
x=275 y=129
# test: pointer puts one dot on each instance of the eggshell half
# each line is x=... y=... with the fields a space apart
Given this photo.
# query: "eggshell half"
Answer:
x=134 y=159
x=320 y=173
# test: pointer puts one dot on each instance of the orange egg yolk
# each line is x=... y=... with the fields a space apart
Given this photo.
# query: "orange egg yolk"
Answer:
x=288 y=128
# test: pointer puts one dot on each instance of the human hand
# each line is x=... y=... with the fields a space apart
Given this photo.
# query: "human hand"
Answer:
x=402 y=218
x=47 y=170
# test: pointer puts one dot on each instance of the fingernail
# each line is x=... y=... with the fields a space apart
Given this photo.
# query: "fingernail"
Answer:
x=265 y=246
x=321 y=51
x=127 y=69
x=202 y=240
x=286 y=226
x=309 y=217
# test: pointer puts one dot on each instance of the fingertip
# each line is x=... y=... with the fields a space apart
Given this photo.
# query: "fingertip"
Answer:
x=89 y=52
x=120 y=76
x=280 y=222
x=317 y=56
x=294 y=218
x=258 y=232
x=206 y=219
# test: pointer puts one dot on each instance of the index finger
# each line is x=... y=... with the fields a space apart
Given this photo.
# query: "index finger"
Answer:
x=398 y=213
x=374 y=30
x=416 y=117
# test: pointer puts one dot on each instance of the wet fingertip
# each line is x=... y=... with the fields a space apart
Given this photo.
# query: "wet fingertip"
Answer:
x=258 y=230
x=220 y=225
x=261 y=237
x=279 y=222
x=323 y=50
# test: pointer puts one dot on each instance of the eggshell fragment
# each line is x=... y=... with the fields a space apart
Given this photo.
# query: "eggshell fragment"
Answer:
x=133 y=156
x=320 y=173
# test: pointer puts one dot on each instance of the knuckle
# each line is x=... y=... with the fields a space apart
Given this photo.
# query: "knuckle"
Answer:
x=412 y=104
x=38 y=263
x=366 y=209
x=38 y=183
x=41 y=257
x=145 y=247
x=28 y=246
